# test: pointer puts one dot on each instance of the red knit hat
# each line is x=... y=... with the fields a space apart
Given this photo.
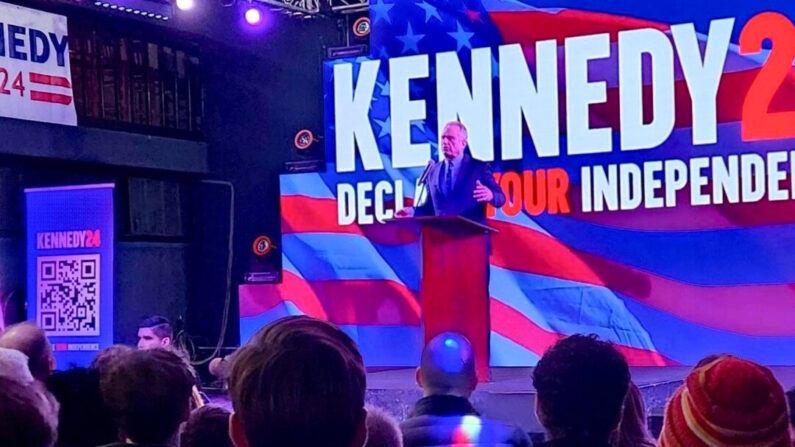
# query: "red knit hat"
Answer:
x=727 y=403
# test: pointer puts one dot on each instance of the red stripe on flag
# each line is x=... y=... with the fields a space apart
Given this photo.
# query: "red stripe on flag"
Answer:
x=302 y=214
x=384 y=302
x=761 y=310
x=258 y=298
x=527 y=27
x=516 y=327
x=58 y=81
x=357 y=302
x=55 y=98
x=314 y=215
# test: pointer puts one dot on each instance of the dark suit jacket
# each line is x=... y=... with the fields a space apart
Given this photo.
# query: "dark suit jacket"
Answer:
x=442 y=421
x=460 y=202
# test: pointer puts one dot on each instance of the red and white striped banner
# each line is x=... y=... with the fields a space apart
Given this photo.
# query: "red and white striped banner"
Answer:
x=35 y=77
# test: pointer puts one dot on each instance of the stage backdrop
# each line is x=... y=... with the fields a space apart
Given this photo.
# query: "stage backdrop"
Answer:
x=645 y=154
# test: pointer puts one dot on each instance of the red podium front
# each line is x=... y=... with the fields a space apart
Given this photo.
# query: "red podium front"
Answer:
x=455 y=290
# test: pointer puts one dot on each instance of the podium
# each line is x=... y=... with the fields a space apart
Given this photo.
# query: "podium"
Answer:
x=454 y=291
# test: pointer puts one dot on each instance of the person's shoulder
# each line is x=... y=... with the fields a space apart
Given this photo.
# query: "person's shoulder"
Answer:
x=475 y=162
x=504 y=432
x=430 y=420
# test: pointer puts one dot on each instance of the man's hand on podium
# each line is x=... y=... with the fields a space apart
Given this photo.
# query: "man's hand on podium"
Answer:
x=405 y=212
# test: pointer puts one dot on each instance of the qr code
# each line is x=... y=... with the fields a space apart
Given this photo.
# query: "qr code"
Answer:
x=67 y=292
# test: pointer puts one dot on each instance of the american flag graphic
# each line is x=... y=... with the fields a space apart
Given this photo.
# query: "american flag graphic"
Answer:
x=666 y=285
x=55 y=89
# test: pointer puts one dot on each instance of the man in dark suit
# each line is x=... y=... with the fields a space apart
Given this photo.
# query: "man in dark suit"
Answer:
x=445 y=415
x=458 y=185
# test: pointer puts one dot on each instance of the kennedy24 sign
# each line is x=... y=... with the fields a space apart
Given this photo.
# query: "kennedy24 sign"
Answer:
x=35 y=78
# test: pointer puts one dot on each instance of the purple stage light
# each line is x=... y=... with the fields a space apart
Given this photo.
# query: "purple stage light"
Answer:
x=253 y=15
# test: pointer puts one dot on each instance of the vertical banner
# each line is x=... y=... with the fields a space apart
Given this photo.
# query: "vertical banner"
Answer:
x=35 y=78
x=70 y=268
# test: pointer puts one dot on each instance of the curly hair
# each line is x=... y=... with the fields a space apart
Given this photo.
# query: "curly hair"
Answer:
x=581 y=384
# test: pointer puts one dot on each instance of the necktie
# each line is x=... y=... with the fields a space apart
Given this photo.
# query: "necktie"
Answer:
x=448 y=179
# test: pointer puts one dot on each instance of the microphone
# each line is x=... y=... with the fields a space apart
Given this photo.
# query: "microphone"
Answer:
x=422 y=184
x=424 y=176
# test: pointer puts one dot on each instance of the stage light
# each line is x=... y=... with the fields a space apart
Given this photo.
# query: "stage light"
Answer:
x=185 y=5
x=253 y=15
x=151 y=10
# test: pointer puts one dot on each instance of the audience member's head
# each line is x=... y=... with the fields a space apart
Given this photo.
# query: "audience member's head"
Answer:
x=26 y=419
x=383 y=430
x=108 y=355
x=708 y=359
x=581 y=384
x=14 y=366
x=447 y=366
x=149 y=394
x=84 y=419
x=298 y=382
x=221 y=367
x=791 y=401
x=155 y=332
x=28 y=339
x=727 y=402
x=207 y=427
x=632 y=430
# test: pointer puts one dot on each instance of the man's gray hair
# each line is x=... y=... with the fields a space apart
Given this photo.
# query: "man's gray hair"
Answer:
x=14 y=366
x=461 y=127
